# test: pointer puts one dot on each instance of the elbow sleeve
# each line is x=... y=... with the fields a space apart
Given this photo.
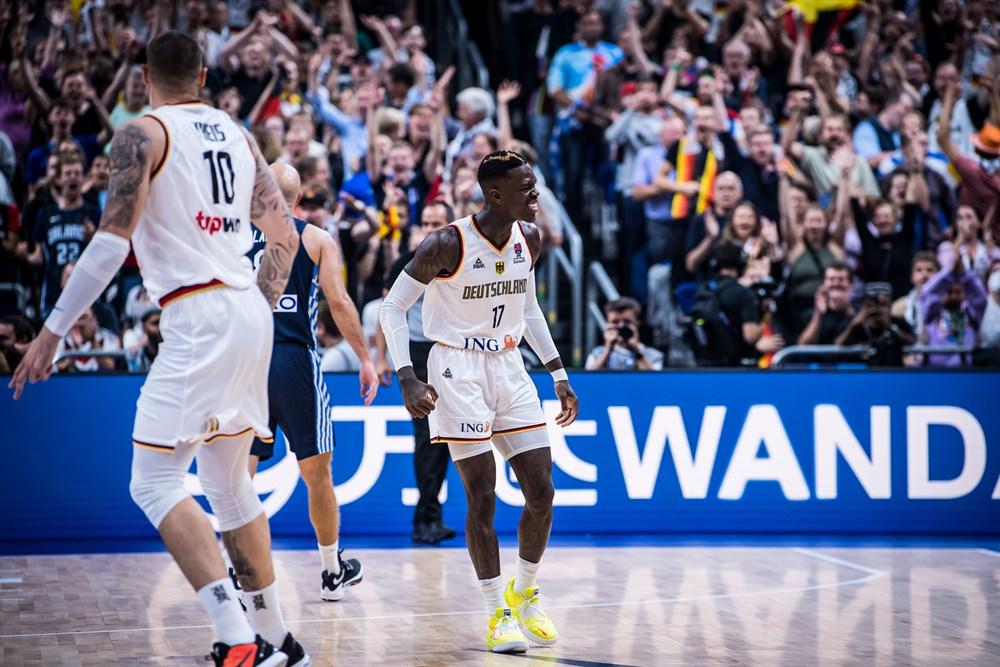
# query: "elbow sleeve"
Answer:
x=536 y=329
x=405 y=292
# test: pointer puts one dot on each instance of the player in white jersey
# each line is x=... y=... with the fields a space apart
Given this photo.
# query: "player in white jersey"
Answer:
x=185 y=183
x=478 y=283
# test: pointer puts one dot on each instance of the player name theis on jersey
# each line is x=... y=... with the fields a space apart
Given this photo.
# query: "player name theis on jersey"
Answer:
x=211 y=131
x=498 y=288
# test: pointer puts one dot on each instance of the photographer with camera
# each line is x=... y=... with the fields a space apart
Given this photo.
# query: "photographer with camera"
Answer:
x=622 y=350
x=726 y=318
x=875 y=327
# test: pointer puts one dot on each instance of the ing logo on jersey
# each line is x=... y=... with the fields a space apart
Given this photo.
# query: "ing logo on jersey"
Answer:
x=518 y=257
x=500 y=268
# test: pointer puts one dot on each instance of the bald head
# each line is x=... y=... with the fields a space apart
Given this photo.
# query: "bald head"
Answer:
x=288 y=180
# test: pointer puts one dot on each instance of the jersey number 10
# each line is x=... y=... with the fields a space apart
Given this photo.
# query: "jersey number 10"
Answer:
x=220 y=165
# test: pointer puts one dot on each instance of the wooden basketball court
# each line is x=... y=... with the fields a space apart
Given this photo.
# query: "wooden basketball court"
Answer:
x=613 y=606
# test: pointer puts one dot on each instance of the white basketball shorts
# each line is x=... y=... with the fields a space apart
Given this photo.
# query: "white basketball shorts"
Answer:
x=209 y=378
x=483 y=397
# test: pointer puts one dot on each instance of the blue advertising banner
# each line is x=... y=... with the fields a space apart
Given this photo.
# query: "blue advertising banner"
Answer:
x=875 y=453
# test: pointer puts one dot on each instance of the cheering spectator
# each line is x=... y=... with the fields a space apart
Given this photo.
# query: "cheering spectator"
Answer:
x=832 y=310
x=714 y=224
x=925 y=265
x=953 y=303
x=86 y=336
x=62 y=229
x=976 y=254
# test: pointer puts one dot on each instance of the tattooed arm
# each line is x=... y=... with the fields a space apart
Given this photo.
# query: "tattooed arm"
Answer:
x=270 y=213
x=134 y=148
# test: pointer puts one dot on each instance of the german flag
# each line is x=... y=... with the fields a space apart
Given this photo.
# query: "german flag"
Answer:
x=823 y=19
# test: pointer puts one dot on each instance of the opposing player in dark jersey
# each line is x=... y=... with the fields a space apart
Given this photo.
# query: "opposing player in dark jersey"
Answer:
x=297 y=394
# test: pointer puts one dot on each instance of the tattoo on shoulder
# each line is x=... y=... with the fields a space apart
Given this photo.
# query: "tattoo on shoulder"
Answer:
x=129 y=158
x=438 y=255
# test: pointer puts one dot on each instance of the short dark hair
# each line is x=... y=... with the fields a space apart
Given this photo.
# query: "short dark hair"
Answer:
x=174 y=60
x=840 y=267
x=622 y=303
x=498 y=164
x=307 y=167
x=63 y=104
x=403 y=73
x=23 y=331
x=729 y=256
x=925 y=256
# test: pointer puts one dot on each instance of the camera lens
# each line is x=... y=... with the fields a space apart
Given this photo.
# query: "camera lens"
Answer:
x=626 y=332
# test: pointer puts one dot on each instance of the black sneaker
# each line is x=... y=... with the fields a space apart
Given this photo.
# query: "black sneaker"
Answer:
x=334 y=585
x=236 y=585
x=297 y=655
x=440 y=532
x=258 y=654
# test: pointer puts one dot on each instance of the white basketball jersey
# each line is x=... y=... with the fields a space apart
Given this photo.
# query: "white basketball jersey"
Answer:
x=195 y=226
x=481 y=305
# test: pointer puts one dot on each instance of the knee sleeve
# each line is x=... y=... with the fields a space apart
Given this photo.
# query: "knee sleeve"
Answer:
x=222 y=470
x=158 y=480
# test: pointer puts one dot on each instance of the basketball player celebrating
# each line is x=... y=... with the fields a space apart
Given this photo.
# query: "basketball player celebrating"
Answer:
x=480 y=299
x=185 y=184
x=295 y=375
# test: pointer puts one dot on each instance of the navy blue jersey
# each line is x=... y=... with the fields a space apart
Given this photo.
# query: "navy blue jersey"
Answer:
x=62 y=235
x=295 y=312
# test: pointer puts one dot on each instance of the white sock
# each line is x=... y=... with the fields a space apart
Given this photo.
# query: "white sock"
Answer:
x=493 y=593
x=331 y=561
x=265 y=614
x=223 y=607
x=526 y=573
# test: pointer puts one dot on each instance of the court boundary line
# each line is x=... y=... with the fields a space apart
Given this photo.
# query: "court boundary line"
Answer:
x=870 y=575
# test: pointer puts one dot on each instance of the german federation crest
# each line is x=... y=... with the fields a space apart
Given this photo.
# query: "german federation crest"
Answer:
x=499 y=268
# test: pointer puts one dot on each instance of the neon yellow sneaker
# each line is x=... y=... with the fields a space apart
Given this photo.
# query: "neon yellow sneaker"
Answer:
x=504 y=635
x=527 y=607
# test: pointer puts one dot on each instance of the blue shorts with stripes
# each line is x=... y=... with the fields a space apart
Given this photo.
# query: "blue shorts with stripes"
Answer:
x=293 y=380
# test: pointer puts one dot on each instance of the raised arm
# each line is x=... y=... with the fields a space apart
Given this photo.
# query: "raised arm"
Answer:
x=229 y=50
x=325 y=253
x=107 y=129
x=348 y=26
x=944 y=123
x=507 y=92
x=788 y=144
x=435 y=153
x=110 y=96
x=270 y=213
x=377 y=26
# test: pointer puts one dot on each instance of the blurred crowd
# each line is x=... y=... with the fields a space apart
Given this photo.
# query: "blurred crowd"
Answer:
x=752 y=174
